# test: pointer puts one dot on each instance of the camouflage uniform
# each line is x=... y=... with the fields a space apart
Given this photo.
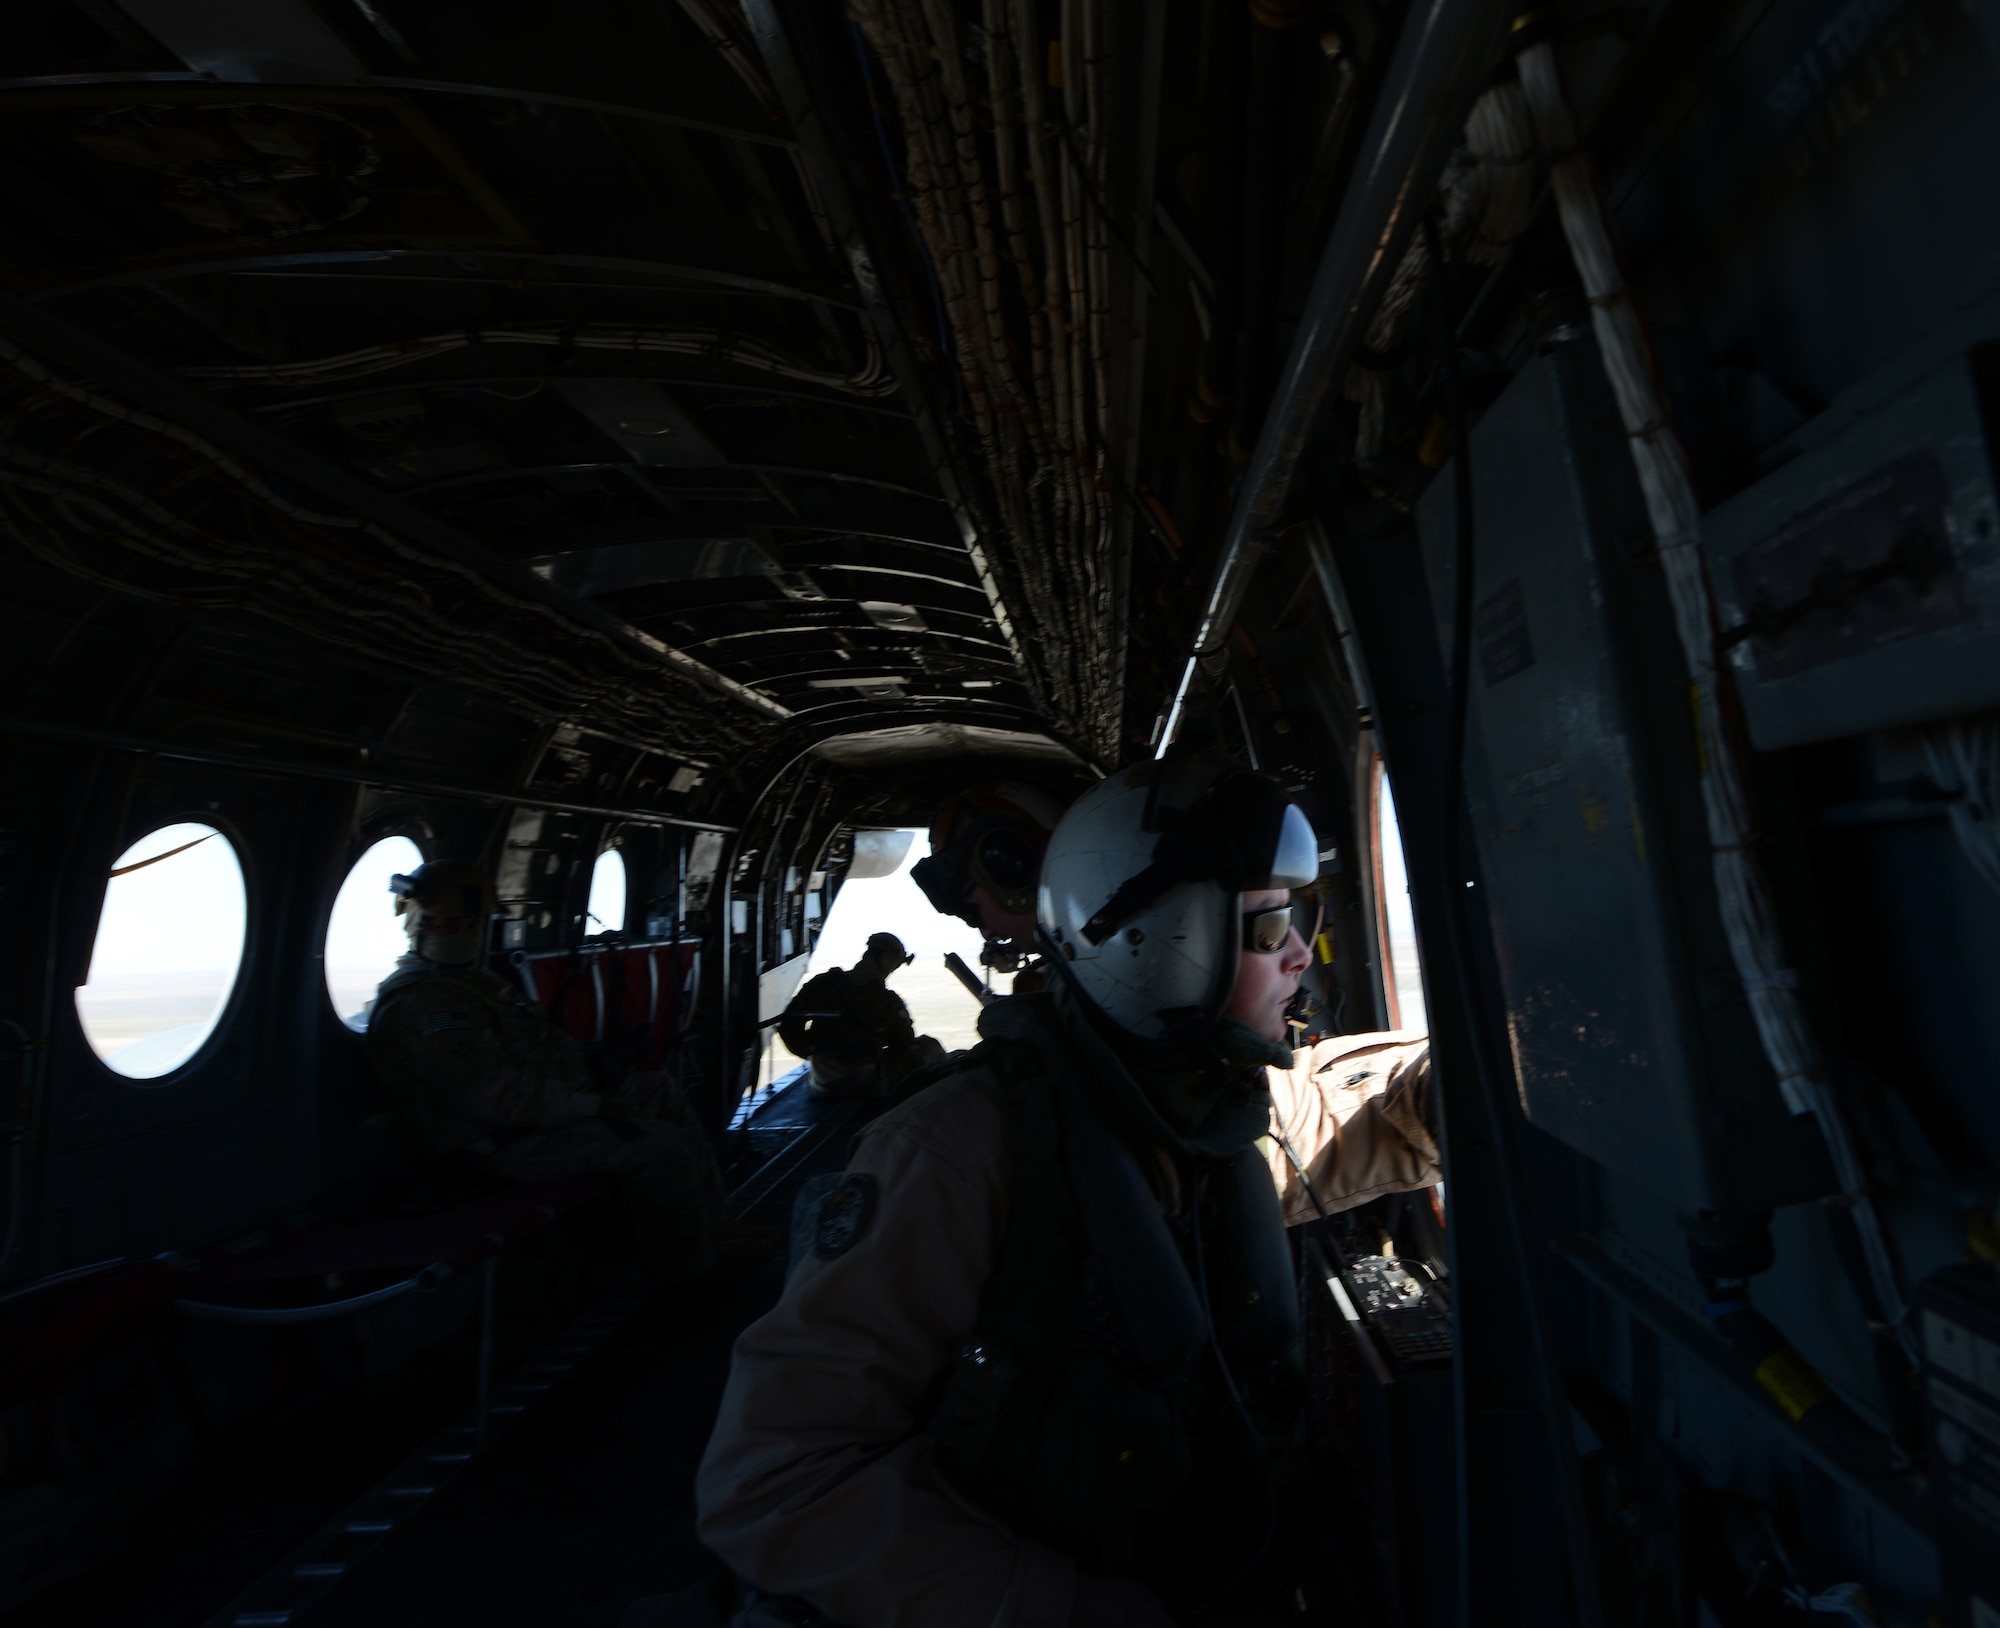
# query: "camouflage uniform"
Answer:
x=472 y=1066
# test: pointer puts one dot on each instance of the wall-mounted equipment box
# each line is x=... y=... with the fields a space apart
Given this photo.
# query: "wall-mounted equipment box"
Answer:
x=1632 y=1038
x=1958 y=1315
x=1859 y=585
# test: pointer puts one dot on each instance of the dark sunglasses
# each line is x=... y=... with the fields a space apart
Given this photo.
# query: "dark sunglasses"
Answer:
x=1268 y=931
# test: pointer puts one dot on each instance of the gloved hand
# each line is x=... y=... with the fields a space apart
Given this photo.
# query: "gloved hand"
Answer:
x=1113 y=1602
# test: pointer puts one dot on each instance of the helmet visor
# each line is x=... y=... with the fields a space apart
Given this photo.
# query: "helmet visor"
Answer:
x=1296 y=862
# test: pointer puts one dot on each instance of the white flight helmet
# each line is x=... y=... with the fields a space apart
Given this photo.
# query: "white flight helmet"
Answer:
x=1138 y=899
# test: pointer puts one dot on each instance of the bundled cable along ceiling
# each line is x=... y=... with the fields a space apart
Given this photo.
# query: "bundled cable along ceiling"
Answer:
x=128 y=500
x=1005 y=178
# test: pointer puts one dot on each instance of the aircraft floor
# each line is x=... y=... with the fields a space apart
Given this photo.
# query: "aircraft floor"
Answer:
x=584 y=1505
x=590 y=1502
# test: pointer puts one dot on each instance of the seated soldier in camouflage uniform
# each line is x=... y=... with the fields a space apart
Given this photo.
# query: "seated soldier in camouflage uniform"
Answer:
x=472 y=1067
x=854 y=1029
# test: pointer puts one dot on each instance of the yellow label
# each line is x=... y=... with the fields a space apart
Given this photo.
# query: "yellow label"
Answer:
x=1325 y=942
x=1791 y=1384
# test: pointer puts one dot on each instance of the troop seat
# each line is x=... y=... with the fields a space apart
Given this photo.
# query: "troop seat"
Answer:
x=429 y=1249
x=50 y=1331
x=629 y=1002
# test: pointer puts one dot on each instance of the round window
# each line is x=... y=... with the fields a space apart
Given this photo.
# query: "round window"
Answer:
x=607 y=894
x=169 y=945
x=364 y=935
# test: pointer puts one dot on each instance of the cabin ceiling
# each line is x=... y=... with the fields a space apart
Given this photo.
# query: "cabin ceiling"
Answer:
x=759 y=373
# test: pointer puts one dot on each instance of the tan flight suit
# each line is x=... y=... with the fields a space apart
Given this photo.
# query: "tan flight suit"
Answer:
x=471 y=1065
x=819 y=1481
x=1362 y=1102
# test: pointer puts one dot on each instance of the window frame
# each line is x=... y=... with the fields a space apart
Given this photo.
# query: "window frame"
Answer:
x=612 y=843
x=246 y=954
x=1391 y=1007
x=367 y=838
x=1387 y=1003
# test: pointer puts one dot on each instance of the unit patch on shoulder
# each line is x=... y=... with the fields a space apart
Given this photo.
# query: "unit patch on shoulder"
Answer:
x=843 y=1216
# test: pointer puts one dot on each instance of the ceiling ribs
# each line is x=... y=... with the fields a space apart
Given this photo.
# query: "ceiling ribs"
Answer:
x=486 y=477
x=194 y=410
x=701 y=279
x=57 y=83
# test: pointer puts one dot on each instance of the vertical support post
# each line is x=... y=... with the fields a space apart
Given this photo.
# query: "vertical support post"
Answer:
x=1512 y=1560
x=482 y=1406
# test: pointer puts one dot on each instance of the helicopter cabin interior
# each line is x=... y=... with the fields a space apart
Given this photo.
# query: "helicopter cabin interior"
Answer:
x=648 y=449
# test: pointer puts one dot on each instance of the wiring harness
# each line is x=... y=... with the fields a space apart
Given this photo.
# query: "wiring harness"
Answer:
x=1011 y=209
x=142 y=506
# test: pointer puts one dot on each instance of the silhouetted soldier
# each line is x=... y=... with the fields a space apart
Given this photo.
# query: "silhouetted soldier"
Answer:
x=854 y=1029
x=474 y=1068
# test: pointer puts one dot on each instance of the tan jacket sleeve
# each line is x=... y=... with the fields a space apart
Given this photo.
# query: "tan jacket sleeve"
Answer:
x=818 y=1481
x=1354 y=1110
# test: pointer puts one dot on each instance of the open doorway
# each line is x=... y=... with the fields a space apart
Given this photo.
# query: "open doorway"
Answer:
x=939 y=1004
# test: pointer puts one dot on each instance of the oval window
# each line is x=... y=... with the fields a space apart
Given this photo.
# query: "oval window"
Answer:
x=169 y=944
x=607 y=894
x=364 y=935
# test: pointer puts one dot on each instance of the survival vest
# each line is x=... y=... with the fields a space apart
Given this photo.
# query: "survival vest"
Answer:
x=1129 y=1363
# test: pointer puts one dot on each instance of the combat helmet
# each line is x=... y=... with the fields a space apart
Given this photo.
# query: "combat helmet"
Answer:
x=445 y=887
x=1138 y=901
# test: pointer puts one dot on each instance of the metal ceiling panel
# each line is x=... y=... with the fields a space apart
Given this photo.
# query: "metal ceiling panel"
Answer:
x=639 y=565
x=644 y=420
x=283 y=42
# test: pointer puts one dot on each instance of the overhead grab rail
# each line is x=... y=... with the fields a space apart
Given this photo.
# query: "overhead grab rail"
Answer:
x=1441 y=64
